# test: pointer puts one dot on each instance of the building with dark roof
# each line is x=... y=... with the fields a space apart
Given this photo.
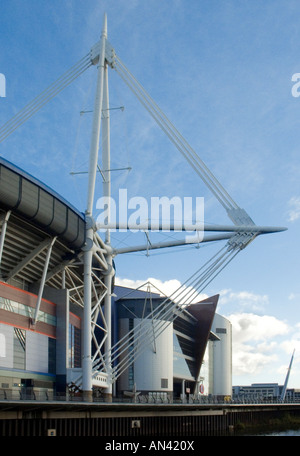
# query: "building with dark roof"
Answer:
x=176 y=362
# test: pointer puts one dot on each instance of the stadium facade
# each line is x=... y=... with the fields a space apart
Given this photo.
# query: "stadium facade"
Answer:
x=42 y=311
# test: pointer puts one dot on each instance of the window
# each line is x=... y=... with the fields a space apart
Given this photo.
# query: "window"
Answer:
x=164 y=383
x=22 y=309
x=221 y=330
x=74 y=347
x=19 y=348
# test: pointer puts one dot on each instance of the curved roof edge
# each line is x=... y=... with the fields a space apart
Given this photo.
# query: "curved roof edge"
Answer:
x=41 y=184
x=39 y=204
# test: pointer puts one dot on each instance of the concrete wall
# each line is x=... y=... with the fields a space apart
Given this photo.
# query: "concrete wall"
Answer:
x=154 y=363
x=220 y=353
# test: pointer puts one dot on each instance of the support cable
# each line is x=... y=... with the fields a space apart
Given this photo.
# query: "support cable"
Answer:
x=195 y=161
x=44 y=97
x=173 y=311
x=168 y=310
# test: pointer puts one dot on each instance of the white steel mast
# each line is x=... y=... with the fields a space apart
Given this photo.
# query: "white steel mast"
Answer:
x=108 y=275
x=88 y=251
x=238 y=236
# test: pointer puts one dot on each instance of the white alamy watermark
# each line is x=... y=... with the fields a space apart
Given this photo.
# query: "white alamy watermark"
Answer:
x=2 y=86
x=160 y=214
x=296 y=87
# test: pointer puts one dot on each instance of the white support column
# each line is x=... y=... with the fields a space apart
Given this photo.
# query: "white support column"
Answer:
x=107 y=193
x=106 y=149
x=42 y=283
x=88 y=251
x=87 y=320
x=3 y=232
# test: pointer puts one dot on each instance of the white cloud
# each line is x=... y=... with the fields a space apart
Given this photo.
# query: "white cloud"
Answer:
x=294 y=211
x=293 y=343
x=166 y=288
x=244 y=299
x=248 y=327
x=293 y=296
x=254 y=341
x=248 y=361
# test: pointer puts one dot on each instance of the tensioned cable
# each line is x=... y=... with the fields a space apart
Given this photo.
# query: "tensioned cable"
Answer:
x=146 y=334
x=199 y=167
x=163 y=325
x=160 y=311
x=170 y=311
x=195 y=161
x=44 y=97
x=137 y=351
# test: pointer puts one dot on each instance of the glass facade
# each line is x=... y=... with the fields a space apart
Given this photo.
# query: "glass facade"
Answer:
x=184 y=361
x=74 y=347
x=31 y=357
x=26 y=311
x=19 y=348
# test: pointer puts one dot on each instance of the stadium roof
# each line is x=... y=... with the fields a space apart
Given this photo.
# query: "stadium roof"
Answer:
x=33 y=217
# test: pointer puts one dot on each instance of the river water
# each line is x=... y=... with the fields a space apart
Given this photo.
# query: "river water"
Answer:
x=286 y=433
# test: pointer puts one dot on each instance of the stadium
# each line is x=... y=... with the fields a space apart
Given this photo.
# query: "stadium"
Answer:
x=65 y=328
x=42 y=242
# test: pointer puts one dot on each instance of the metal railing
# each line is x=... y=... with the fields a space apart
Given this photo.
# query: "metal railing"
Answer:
x=48 y=396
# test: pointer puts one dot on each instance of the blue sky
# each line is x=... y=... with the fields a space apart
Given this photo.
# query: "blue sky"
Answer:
x=222 y=72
